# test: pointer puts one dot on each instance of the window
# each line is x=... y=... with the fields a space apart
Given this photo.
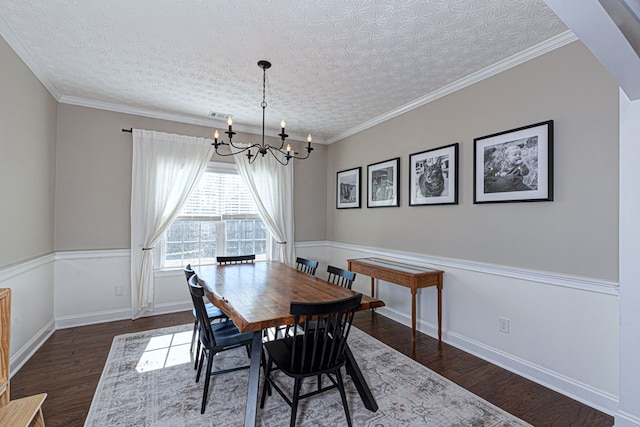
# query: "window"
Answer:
x=220 y=218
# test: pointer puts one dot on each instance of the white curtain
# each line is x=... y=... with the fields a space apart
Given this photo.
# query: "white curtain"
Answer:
x=165 y=169
x=271 y=185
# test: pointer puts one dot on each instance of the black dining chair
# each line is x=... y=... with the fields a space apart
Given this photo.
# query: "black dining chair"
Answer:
x=315 y=351
x=340 y=277
x=213 y=313
x=214 y=338
x=306 y=265
x=236 y=259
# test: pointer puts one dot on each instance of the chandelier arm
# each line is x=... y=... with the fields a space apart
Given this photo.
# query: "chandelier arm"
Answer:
x=272 y=152
x=301 y=158
x=295 y=153
x=309 y=150
x=242 y=149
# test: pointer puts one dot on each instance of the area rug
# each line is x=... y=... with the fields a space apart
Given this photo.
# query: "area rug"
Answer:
x=149 y=380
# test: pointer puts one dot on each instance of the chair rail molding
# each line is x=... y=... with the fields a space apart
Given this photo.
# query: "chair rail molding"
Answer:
x=557 y=279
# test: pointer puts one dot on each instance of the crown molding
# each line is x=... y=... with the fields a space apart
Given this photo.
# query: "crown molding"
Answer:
x=510 y=62
x=211 y=123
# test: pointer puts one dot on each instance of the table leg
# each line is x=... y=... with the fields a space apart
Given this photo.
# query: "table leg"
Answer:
x=440 y=313
x=413 y=318
x=358 y=380
x=373 y=294
x=251 y=409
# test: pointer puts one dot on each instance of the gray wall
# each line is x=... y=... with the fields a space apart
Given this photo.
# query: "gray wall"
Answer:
x=93 y=191
x=575 y=234
x=27 y=147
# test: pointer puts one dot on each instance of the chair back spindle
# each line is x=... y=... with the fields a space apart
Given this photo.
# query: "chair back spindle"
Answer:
x=306 y=266
x=340 y=277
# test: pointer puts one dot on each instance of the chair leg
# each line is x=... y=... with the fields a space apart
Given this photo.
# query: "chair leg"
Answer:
x=193 y=336
x=343 y=395
x=202 y=356
x=294 y=402
x=195 y=363
x=206 y=382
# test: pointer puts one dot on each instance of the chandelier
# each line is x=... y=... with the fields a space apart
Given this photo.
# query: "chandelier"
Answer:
x=281 y=154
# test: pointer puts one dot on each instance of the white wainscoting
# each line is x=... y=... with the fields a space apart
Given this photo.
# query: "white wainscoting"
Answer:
x=31 y=285
x=86 y=282
x=563 y=329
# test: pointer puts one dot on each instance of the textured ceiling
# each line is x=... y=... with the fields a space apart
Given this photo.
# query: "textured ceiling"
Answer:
x=336 y=64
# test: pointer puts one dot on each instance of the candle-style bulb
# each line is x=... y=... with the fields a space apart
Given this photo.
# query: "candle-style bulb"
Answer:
x=309 y=139
x=282 y=124
x=229 y=121
x=288 y=147
x=216 y=135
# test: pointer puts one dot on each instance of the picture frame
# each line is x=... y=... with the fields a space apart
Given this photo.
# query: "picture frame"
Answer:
x=433 y=176
x=514 y=165
x=348 y=189
x=383 y=184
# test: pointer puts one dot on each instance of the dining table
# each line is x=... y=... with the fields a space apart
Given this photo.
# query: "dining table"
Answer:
x=257 y=296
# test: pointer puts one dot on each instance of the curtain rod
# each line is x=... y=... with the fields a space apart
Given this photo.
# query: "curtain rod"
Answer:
x=130 y=130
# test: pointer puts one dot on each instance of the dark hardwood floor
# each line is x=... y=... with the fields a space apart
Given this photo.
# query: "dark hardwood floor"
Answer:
x=69 y=364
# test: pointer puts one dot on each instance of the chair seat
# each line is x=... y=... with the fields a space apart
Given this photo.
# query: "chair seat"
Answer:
x=280 y=352
x=227 y=334
x=213 y=312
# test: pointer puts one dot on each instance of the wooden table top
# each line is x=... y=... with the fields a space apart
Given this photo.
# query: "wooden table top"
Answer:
x=258 y=296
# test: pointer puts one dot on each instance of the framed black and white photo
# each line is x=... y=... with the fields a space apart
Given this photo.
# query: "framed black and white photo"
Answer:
x=433 y=176
x=515 y=165
x=383 y=184
x=348 y=189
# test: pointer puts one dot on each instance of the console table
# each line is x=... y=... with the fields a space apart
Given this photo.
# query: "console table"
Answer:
x=409 y=276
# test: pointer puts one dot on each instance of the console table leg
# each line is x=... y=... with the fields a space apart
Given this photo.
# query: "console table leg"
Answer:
x=413 y=318
x=439 y=313
x=373 y=294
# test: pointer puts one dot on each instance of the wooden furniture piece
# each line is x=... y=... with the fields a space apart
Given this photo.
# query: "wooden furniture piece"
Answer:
x=318 y=351
x=410 y=276
x=215 y=338
x=27 y=411
x=340 y=277
x=306 y=265
x=236 y=259
x=258 y=296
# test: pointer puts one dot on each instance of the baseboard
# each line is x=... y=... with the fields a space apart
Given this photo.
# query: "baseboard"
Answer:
x=623 y=419
x=23 y=355
x=115 y=315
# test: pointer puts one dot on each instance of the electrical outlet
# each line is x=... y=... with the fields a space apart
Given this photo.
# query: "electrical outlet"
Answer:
x=118 y=291
x=503 y=325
